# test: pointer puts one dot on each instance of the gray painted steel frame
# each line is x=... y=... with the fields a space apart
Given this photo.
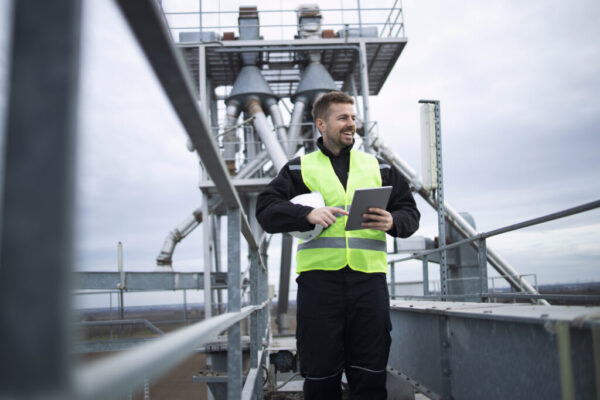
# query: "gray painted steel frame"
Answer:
x=149 y=281
x=493 y=351
x=37 y=199
x=117 y=374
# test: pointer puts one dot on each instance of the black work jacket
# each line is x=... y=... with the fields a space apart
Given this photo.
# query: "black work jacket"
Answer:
x=276 y=214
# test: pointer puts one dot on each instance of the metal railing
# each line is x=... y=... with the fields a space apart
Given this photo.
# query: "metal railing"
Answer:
x=278 y=24
x=114 y=376
x=36 y=354
x=479 y=242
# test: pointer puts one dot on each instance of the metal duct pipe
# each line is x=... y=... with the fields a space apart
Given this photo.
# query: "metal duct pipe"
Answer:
x=277 y=120
x=295 y=125
x=191 y=222
x=499 y=264
x=266 y=134
x=230 y=139
x=252 y=166
x=165 y=258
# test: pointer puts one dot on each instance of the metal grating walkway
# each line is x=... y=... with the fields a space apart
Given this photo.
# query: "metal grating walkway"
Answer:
x=280 y=63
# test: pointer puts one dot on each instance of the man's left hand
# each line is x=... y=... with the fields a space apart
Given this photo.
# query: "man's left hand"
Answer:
x=381 y=220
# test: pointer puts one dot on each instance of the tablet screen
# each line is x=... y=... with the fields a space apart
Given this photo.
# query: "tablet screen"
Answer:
x=363 y=200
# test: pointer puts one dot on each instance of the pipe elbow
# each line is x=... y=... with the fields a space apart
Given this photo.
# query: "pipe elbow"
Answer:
x=253 y=106
x=164 y=260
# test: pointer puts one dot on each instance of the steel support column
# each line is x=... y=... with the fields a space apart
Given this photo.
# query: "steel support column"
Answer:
x=254 y=299
x=234 y=304
x=264 y=288
x=482 y=259
x=393 y=273
x=364 y=80
x=439 y=198
x=287 y=242
x=206 y=254
x=202 y=86
x=38 y=199
x=256 y=334
x=216 y=231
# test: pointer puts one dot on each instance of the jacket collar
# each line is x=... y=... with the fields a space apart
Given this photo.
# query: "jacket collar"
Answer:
x=328 y=153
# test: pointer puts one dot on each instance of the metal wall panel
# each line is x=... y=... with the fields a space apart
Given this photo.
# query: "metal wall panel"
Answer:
x=494 y=351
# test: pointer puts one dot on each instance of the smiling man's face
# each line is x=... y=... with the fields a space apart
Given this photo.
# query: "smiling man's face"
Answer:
x=338 y=127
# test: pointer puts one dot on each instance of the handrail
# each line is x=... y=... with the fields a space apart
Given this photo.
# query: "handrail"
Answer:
x=534 y=221
x=116 y=375
x=275 y=11
x=509 y=296
x=394 y=27
x=145 y=322
x=274 y=26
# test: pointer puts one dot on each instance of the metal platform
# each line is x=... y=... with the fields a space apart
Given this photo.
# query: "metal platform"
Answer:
x=280 y=61
x=253 y=185
x=496 y=351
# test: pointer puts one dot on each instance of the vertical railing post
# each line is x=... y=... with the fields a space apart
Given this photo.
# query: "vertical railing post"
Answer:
x=256 y=334
x=36 y=209
x=439 y=197
x=440 y=203
x=264 y=289
x=425 y=276
x=393 y=273
x=482 y=260
x=359 y=19
x=364 y=83
x=216 y=233
x=254 y=300
x=206 y=253
x=287 y=242
x=185 y=311
x=234 y=304
x=121 y=285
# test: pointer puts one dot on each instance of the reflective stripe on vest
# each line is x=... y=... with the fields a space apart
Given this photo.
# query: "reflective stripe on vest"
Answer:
x=363 y=250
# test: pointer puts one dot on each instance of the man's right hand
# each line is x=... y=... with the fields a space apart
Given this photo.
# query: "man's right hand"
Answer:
x=324 y=216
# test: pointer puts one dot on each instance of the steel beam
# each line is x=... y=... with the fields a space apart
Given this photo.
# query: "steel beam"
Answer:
x=146 y=281
x=494 y=351
x=37 y=202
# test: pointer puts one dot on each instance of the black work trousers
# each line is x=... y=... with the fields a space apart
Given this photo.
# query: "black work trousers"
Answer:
x=343 y=324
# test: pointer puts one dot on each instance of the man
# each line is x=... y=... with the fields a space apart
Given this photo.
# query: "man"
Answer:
x=343 y=321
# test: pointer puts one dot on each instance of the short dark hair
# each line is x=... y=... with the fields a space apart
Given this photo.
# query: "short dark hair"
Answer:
x=321 y=105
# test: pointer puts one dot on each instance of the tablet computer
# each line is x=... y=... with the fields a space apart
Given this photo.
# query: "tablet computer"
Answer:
x=363 y=200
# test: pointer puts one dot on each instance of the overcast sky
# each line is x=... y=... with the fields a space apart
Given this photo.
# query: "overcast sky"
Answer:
x=518 y=84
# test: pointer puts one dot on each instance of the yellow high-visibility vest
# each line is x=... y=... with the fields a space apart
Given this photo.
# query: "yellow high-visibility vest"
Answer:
x=363 y=250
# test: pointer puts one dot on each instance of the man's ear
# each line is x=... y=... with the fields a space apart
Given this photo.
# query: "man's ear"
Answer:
x=320 y=125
